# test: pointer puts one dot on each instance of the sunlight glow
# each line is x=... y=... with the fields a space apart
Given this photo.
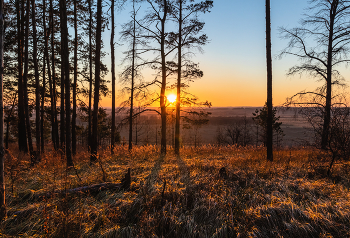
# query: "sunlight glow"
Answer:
x=171 y=98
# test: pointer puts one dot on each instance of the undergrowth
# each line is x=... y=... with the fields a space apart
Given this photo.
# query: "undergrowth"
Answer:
x=208 y=191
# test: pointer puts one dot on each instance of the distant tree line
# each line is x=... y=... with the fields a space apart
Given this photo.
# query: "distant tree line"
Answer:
x=250 y=131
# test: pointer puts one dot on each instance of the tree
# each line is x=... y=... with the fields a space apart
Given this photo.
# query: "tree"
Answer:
x=129 y=33
x=165 y=43
x=134 y=34
x=74 y=117
x=113 y=78
x=90 y=77
x=25 y=86
x=238 y=132
x=261 y=117
x=43 y=92
x=269 y=133
x=132 y=88
x=185 y=14
x=339 y=135
x=37 y=88
x=64 y=39
x=153 y=25
x=55 y=133
x=51 y=88
x=2 y=151
x=66 y=81
x=22 y=135
x=159 y=16
x=162 y=35
x=94 y=144
x=327 y=25
x=195 y=119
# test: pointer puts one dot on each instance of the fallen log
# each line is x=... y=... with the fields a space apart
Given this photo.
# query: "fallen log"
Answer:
x=22 y=214
x=37 y=196
x=91 y=189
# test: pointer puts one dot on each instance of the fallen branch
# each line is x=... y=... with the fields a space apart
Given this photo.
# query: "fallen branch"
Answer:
x=91 y=189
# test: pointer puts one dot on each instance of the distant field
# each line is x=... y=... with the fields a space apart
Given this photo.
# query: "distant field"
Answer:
x=297 y=131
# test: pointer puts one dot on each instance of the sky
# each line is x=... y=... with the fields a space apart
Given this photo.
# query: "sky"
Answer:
x=234 y=61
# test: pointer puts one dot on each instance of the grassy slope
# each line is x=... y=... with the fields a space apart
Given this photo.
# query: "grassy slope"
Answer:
x=290 y=197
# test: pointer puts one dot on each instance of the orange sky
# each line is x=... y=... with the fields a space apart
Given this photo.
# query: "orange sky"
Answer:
x=234 y=62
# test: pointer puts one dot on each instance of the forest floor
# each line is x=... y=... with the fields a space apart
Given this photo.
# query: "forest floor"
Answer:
x=208 y=191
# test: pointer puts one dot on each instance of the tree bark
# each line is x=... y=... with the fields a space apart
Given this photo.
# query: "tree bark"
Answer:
x=327 y=113
x=2 y=151
x=90 y=79
x=74 y=117
x=94 y=144
x=63 y=80
x=132 y=80
x=22 y=135
x=178 y=86
x=113 y=79
x=43 y=91
x=44 y=79
x=52 y=97
x=25 y=81
x=269 y=140
x=37 y=85
x=163 y=86
x=56 y=134
x=65 y=62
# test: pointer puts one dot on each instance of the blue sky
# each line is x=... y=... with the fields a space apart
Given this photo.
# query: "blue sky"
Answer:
x=234 y=62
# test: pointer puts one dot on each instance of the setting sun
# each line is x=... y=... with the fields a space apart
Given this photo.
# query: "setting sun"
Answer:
x=171 y=98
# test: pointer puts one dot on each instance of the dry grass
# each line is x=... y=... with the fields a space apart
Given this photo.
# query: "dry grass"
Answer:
x=182 y=196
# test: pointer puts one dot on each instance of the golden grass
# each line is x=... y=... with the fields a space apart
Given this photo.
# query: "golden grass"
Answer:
x=290 y=197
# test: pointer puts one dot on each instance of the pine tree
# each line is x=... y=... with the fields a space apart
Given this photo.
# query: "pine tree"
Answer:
x=269 y=84
x=2 y=151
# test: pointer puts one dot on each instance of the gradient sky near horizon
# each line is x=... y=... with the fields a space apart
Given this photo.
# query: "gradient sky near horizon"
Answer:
x=234 y=62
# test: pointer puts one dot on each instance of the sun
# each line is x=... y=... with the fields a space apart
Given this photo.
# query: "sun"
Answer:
x=171 y=98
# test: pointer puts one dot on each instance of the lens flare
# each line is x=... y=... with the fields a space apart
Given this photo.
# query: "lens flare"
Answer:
x=171 y=98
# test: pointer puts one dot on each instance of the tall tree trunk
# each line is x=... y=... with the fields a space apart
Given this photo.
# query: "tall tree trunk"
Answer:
x=52 y=97
x=43 y=92
x=327 y=113
x=62 y=112
x=25 y=81
x=56 y=134
x=178 y=86
x=162 y=91
x=90 y=79
x=97 y=83
x=113 y=79
x=65 y=63
x=269 y=84
x=22 y=135
x=2 y=151
x=74 y=117
x=37 y=85
x=132 y=79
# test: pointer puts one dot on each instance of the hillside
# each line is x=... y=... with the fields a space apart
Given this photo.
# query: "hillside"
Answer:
x=206 y=192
